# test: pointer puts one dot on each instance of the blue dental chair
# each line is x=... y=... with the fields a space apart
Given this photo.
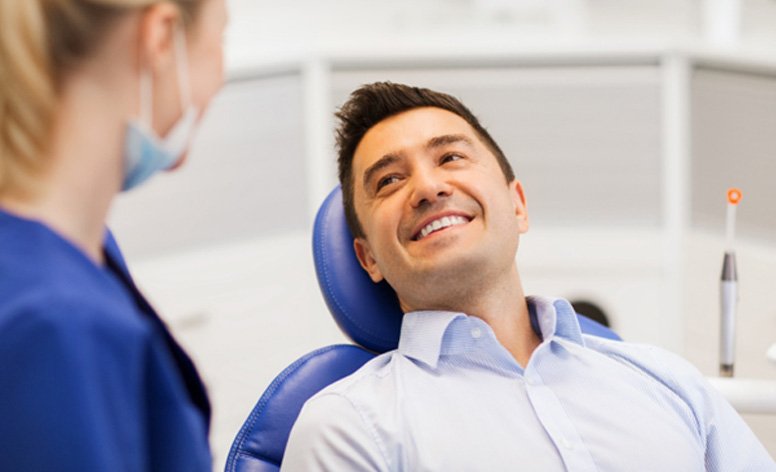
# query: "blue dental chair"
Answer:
x=367 y=313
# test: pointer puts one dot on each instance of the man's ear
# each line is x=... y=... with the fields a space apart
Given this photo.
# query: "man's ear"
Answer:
x=521 y=209
x=366 y=259
x=158 y=24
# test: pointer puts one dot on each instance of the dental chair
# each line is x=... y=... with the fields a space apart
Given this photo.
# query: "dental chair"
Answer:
x=367 y=313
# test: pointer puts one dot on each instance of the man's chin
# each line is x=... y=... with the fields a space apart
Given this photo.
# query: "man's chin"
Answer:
x=440 y=252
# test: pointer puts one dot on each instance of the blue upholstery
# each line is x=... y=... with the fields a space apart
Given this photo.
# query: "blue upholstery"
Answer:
x=368 y=313
x=595 y=328
x=260 y=444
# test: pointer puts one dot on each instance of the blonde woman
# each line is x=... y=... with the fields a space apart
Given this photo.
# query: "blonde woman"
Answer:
x=96 y=96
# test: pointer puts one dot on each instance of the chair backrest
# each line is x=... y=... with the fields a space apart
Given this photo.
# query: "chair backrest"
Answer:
x=368 y=313
x=261 y=442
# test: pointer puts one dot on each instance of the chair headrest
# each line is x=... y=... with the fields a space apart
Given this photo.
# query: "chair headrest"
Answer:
x=368 y=313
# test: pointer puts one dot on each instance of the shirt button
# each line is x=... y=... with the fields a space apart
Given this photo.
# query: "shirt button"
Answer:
x=567 y=444
x=476 y=333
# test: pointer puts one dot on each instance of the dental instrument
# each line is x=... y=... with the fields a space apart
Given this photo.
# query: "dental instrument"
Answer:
x=729 y=290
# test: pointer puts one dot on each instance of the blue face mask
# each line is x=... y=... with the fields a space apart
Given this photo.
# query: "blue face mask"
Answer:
x=145 y=153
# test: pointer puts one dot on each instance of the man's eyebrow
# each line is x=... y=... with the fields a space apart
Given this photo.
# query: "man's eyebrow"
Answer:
x=381 y=163
x=391 y=158
x=445 y=139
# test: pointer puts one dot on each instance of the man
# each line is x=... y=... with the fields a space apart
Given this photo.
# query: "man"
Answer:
x=485 y=378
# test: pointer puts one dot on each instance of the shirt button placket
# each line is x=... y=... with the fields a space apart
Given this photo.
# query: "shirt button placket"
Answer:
x=556 y=423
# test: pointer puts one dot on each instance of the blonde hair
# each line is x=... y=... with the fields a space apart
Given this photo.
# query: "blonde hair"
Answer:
x=39 y=41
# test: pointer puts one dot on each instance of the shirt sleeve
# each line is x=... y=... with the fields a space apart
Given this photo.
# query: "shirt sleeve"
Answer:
x=69 y=398
x=331 y=435
x=730 y=443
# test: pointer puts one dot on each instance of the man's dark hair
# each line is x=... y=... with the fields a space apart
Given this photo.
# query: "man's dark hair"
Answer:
x=371 y=104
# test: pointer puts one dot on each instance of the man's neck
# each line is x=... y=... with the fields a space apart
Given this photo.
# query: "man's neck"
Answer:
x=503 y=306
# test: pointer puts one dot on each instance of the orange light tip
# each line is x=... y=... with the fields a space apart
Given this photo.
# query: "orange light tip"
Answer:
x=734 y=196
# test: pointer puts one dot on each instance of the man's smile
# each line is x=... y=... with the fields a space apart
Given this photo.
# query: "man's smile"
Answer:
x=438 y=223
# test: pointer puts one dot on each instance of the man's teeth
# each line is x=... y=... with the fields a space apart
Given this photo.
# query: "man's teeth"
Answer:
x=443 y=222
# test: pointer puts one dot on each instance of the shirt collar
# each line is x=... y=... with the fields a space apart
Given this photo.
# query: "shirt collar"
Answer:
x=555 y=317
x=426 y=335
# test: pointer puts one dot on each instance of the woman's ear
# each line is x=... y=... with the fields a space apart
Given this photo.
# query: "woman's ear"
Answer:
x=157 y=29
x=366 y=259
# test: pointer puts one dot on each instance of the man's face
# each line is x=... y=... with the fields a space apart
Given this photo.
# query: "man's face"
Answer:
x=437 y=212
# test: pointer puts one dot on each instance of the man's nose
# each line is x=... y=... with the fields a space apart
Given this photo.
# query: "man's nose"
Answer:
x=428 y=187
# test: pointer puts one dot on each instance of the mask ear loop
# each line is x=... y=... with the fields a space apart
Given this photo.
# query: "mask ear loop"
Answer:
x=184 y=85
x=182 y=63
x=146 y=97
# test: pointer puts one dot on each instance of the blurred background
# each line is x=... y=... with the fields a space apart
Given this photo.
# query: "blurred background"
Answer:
x=625 y=120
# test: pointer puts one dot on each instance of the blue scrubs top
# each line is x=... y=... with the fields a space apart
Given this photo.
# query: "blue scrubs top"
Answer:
x=90 y=377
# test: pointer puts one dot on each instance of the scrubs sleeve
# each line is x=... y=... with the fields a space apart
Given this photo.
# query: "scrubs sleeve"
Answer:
x=729 y=442
x=70 y=393
x=331 y=435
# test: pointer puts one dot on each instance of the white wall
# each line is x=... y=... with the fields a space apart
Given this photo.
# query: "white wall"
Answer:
x=273 y=29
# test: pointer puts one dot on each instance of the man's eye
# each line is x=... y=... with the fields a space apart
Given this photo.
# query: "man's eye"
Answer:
x=387 y=180
x=450 y=158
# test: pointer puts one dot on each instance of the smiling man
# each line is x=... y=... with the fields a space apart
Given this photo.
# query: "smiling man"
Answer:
x=485 y=378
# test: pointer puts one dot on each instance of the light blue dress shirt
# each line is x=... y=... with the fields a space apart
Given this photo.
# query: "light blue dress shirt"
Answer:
x=451 y=398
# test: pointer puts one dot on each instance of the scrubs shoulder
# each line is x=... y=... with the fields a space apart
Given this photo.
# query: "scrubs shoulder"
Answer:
x=90 y=378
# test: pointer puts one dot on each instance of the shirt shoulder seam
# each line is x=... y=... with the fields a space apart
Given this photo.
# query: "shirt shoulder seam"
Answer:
x=670 y=383
x=368 y=424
